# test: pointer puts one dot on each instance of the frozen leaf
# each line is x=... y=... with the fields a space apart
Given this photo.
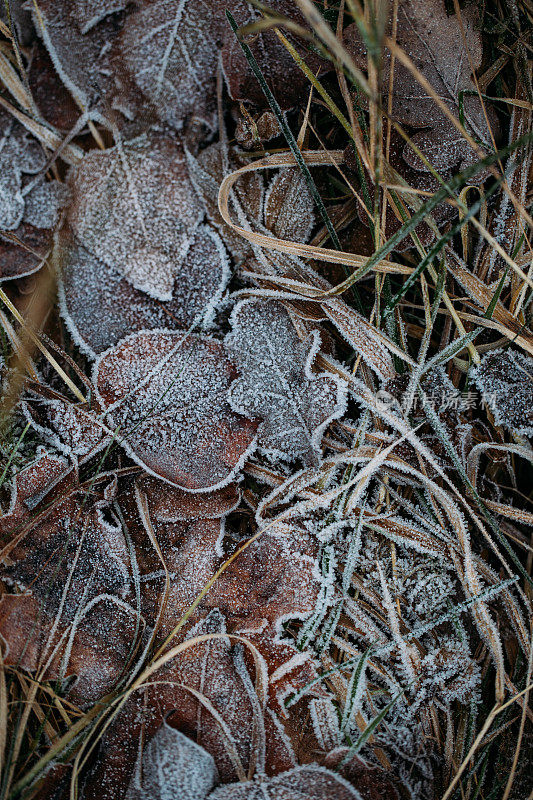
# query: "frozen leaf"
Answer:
x=289 y=206
x=71 y=428
x=250 y=132
x=505 y=379
x=277 y=576
x=19 y=154
x=172 y=52
x=310 y=782
x=286 y=81
x=166 y=392
x=43 y=203
x=24 y=255
x=191 y=551
x=26 y=204
x=135 y=209
x=101 y=307
x=172 y=766
x=433 y=40
x=277 y=383
x=78 y=47
x=89 y=12
x=246 y=202
x=372 y=782
x=50 y=96
x=170 y=504
x=69 y=557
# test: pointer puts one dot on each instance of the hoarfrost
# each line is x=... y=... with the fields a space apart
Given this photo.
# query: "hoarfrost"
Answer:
x=135 y=209
x=166 y=393
x=277 y=383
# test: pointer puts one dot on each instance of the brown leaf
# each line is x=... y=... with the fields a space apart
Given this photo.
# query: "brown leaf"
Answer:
x=29 y=207
x=433 y=40
x=166 y=394
x=285 y=79
x=69 y=556
x=170 y=504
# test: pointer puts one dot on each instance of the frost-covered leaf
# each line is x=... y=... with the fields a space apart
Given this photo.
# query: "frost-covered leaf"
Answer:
x=135 y=209
x=283 y=76
x=78 y=47
x=172 y=52
x=100 y=306
x=277 y=576
x=170 y=504
x=289 y=206
x=434 y=41
x=70 y=559
x=167 y=394
x=71 y=428
x=171 y=767
x=27 y=205
x=309 y=781
x=207 y=172
x=249 y=131
x=277 y=383
x=505 y=379
x=89 y=12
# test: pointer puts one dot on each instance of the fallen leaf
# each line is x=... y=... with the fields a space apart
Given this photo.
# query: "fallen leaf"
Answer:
x=207 y=172
x=68 y=556
x=309 y=782
x=71 y=428
x=166 y=394
x=135 y=209
x=277 y=383
x=100 y=306
x=505 y=380
x=172 y=766
x=170 y=504
x=433 y=40
x=78 y=47
x=27 y=205
x=283 y=76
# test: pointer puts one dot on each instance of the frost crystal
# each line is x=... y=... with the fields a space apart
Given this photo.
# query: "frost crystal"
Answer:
x=100 y=306
x=166 y=393
x=135 y=209
x=277 y=383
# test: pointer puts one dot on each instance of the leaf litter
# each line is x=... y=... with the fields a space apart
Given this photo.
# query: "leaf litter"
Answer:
x=282 y=547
